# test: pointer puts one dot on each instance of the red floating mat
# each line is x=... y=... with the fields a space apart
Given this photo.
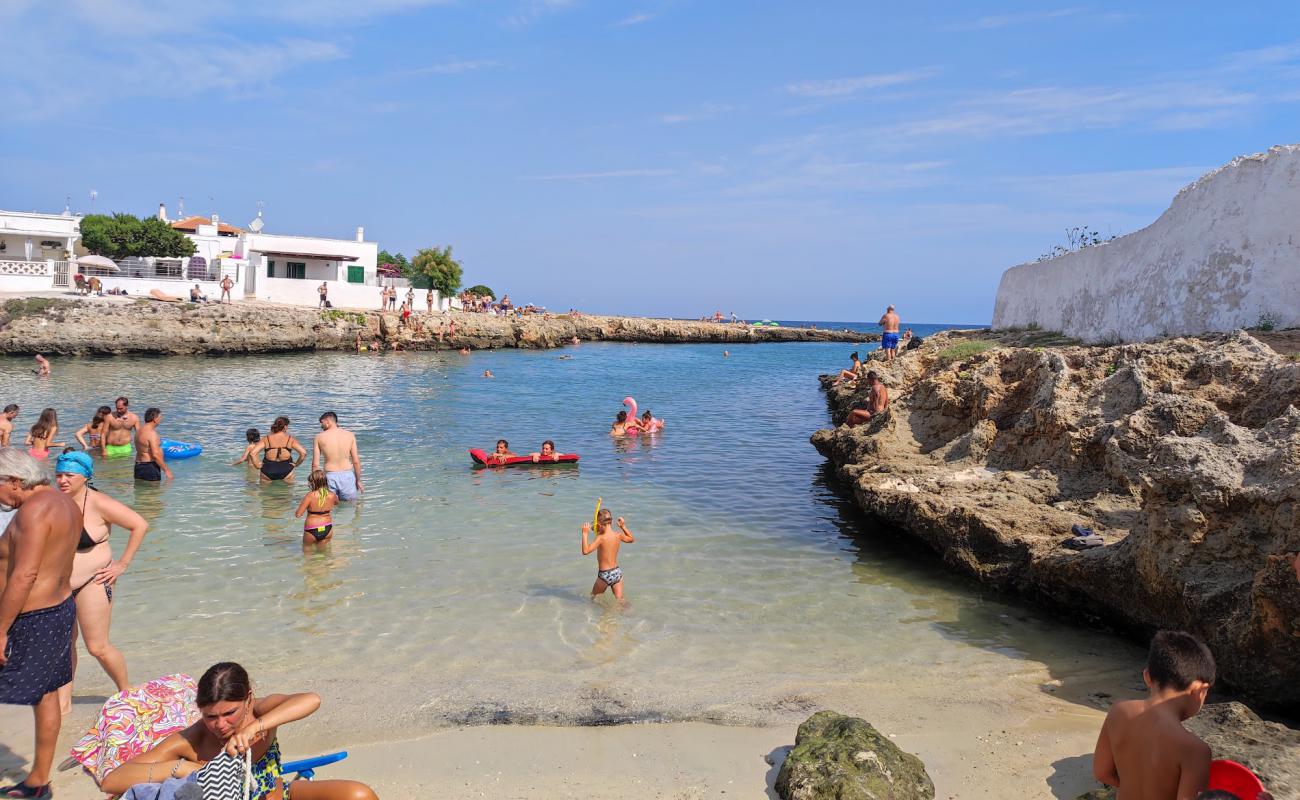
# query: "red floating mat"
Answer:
x=481 y=460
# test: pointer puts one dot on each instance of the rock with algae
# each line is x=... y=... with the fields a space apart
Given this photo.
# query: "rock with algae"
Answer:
x=843 y=758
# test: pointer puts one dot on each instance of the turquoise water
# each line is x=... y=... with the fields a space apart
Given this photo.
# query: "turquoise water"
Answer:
x=453 y=595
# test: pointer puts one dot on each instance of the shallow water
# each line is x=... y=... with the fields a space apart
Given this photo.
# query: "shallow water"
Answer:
x=454 y=595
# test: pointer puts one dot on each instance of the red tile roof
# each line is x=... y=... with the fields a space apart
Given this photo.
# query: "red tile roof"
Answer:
x=192 y=224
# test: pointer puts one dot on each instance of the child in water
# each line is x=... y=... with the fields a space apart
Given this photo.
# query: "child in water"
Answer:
x=1143 y=742
x=254 y=438
x=649 y=424
x=606 y=544
x=317 y=505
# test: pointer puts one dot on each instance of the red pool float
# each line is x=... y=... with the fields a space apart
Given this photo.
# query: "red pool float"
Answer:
x=481 y=459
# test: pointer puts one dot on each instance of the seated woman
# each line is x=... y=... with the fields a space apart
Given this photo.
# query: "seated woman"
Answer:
x=236 y=722
x=548 y=453
x=851 y=375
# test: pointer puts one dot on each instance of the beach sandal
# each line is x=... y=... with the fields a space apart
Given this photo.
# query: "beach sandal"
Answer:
x=21 y=789
x=1079 y=530
x=1085 y=542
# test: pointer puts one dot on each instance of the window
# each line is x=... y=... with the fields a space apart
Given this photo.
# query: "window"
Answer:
x=295 y=269
x=270 y=269
x=356 y=274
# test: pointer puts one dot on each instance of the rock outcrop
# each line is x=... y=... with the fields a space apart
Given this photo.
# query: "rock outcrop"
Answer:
x=1234 y=732
x=110 y=325
x=843 y=758
x=1183 y=455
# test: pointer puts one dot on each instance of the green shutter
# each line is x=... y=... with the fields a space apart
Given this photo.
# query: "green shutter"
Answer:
x=356 y=274
x=270 y=269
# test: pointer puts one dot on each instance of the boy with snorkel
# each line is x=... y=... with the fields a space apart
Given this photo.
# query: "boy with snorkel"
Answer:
x=606 y=544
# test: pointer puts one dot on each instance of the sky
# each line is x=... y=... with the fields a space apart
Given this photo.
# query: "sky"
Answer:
x=660 y=157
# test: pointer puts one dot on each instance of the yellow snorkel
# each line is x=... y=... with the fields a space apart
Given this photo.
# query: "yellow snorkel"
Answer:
x=595 y=518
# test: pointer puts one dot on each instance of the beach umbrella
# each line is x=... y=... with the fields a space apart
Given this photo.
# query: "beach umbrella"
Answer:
x=100 y=262
x=135 y=720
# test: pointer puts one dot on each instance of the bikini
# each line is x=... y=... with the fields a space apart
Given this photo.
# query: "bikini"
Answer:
x=85 y=544
x=319 y=532
x=276 y=469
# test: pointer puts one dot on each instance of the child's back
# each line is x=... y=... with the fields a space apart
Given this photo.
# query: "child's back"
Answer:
x=1143 y=749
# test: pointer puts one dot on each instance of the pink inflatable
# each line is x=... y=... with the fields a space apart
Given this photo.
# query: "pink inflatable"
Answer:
x=641 y=426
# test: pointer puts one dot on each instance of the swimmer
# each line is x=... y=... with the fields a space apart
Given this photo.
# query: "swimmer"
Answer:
x=318 y=528
x=487 y=373
x=464 y=351
x=42 y=366
x=649 y=424
x=41 y=437
x=360 y=347
x=335 y=450
x=254 y=437
x=150 y=465
x=548 y=453
x=725 y=354
x=121 y=424
x=7 y=423
x=502 y=452
x=619 y=428
x=575 y=340
x=91 y=435
x=850 y=375
x=606 y=543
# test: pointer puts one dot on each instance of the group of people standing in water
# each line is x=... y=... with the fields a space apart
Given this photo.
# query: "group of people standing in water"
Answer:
x=112 y=432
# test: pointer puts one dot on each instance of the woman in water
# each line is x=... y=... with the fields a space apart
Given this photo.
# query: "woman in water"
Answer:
x=94 y=570
x=41 y=437
x=548 y=453
x=317 y=505
x=277 y=453
x=235 y=722
x=254 y=437
x=91 y=435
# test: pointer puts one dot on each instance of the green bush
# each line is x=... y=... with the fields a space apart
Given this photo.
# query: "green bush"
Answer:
x=335 y=315
x=1268 y=321
x=964 y=350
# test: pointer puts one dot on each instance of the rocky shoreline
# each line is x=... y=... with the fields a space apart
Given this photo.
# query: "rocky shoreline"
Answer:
x=1184 y=455
x=110 y=325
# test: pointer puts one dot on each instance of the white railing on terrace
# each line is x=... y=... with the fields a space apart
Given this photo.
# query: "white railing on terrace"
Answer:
x=21 y=267
x=164 y=269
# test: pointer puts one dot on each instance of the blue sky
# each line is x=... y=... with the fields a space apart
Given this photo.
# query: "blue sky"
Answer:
x=667 y=157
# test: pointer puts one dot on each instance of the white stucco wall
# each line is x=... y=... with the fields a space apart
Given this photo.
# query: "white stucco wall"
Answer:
x=1225 y=253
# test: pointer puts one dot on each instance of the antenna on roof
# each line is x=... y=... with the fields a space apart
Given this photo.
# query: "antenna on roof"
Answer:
x=93 y=195
x=67 y=206
x=257 y=224
x=180 y=207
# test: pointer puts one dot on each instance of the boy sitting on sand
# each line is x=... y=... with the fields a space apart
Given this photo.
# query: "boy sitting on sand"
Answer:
x=606 y=544
x=1143 y=742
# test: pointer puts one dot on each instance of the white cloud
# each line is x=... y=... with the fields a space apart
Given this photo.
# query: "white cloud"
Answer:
x=839 y=87
x=446 y=68
x=1006 y=20
x=617 y=173
x=533 y=10
x=634 y=19
x=703 y=111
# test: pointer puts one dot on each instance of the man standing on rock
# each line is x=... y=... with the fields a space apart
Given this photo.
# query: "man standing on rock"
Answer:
x=122 y=423
x=7 y=423
x=149 y=462
x=36 y=606
x=336 y=449
x=889 y=339
x=877 y=401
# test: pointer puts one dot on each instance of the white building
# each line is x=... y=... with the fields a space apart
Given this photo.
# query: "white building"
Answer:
x=35 y=248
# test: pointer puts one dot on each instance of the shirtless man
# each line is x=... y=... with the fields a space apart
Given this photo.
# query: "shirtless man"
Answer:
x=7 y=423
x=36 y=606
x=149 y=462
x=122 y=423
x=877 y=402
x=335 y=451
x=226 y=285
x=889 y=339
x=42 y=366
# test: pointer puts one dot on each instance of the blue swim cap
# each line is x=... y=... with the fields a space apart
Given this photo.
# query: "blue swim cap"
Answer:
x=79 y=463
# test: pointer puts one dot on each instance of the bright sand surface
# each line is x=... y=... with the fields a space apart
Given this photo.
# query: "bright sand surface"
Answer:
x=453 y=598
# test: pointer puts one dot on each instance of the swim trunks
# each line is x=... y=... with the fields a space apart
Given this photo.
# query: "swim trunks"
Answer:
x=889 y=341
x=39 y=654
x=321 y=532
x=343 y=484
x=147 y=471
x=114 y=450
x=610 y=576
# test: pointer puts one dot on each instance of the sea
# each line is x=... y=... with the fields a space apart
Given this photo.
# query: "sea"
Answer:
x=454 y=595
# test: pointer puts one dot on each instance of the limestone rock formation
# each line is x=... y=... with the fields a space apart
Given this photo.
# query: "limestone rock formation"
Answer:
x=843 y=758
x=106 y=325
x=1183 y=455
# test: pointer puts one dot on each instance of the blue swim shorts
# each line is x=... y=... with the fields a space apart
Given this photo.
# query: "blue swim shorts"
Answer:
x=889 y=341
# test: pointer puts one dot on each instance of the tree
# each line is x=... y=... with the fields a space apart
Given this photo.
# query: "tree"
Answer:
x=437 y=266
x=123 y=235
x=481 y=290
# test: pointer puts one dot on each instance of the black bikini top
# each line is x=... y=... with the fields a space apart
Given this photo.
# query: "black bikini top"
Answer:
x=85 y=544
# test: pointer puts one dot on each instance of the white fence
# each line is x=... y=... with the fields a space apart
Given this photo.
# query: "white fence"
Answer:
x=26 y=276
x=293 y=291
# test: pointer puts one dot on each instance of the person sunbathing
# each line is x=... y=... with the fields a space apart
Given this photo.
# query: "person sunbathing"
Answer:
x=850 y=375
x=234 y=722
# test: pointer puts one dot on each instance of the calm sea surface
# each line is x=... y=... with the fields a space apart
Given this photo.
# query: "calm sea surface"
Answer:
x=454 y=595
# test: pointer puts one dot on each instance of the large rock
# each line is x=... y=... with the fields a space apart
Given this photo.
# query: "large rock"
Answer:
x=843 y=758
x=1184 y=455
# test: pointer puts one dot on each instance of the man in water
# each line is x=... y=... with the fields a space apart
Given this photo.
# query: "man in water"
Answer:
x=149 y=462
x=7 y=423
x=42 y=366
x=36 y=606
x=122 y=423
x=877 y=402
x=889 y=339
x=335 y=451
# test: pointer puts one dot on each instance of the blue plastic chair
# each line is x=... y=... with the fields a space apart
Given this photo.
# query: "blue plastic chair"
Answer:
x=306 y=767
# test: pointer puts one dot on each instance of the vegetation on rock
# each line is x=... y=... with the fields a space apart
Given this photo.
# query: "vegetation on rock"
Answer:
x=836 y=757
